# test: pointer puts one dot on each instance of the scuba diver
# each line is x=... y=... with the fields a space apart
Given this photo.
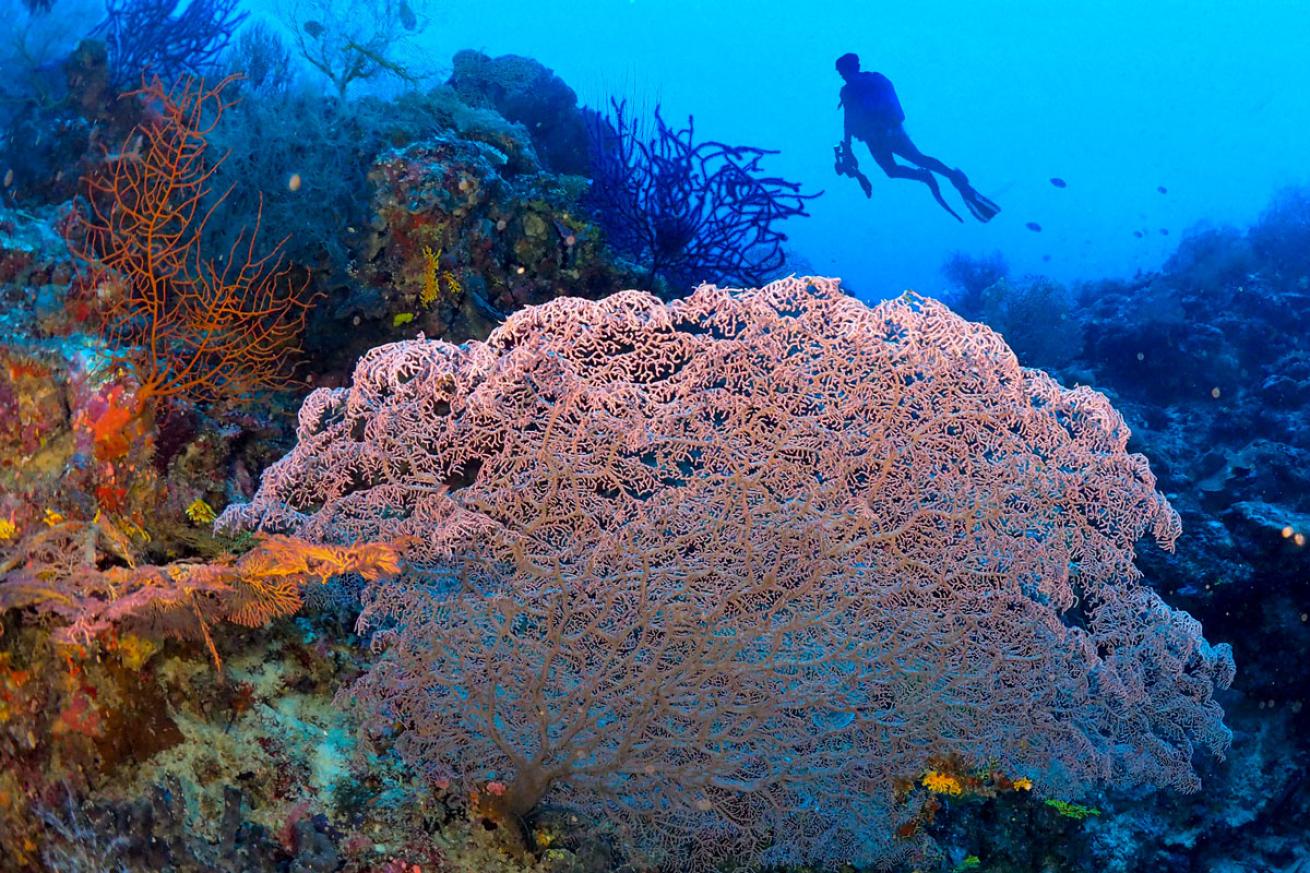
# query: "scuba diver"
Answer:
x=874 y=115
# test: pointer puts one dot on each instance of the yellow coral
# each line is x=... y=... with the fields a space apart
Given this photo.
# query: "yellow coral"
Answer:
x=1023 y=784
x=1075 y=811
x=134 y=651
x=452 y=284
x=201 y=512
x=942 y=783
x=431 y=276
x=130 y=530
x=8 y=530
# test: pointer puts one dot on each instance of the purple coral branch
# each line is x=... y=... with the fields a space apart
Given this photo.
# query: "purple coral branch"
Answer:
x=146 y=37
x=689 y=212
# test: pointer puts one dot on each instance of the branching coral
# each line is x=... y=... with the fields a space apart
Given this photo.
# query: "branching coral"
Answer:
x=434 y=277
x=354 y=41
x=688 y=211
x=942 y=783
x=186 y=322
x=147 y=38
x=264 y=61
x=85 y=574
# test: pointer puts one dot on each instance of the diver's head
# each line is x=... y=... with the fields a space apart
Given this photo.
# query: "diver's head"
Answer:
x=848 y=65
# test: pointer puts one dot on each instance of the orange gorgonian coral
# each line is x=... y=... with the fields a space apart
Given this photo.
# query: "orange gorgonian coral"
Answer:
x=184 y=321
x=57 y=572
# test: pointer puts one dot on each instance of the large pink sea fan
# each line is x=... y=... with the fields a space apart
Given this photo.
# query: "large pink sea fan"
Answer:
x=721 y=570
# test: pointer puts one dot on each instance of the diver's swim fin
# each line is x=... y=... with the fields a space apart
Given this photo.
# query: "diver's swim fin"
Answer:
x=980 y=207
x=983 y=209
x=937 y=195
x=936 y=192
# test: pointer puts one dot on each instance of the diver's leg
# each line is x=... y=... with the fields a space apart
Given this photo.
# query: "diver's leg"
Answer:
x=981 y=208
x=883 y=155
x=904 y=146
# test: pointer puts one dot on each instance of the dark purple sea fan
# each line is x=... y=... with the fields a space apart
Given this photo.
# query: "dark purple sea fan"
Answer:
x=688 y=212
x=146 y=37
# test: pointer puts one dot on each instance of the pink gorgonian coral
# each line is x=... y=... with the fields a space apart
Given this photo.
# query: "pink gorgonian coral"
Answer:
x=721 y=571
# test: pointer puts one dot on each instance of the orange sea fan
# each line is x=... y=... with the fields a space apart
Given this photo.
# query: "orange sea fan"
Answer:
x=269 y=578
x=185 y=322
x=57 y=573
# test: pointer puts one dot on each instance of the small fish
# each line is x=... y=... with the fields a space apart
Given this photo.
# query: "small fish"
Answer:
x=1034 y=227
x=408 y=19
x=1137 y=233
x=1058 y=182
x=9 y=177
x=314 y=29
x=1046 y=258
x=1164 y=231
x=1162 y=189
x=293 y=183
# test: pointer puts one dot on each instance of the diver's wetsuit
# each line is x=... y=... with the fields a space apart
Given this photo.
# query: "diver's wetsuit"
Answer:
x=873 y=113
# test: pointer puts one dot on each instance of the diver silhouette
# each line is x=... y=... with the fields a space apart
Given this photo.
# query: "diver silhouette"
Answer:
x=874 y=115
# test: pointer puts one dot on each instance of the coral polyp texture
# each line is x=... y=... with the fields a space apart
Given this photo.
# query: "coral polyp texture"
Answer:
x=724 y=571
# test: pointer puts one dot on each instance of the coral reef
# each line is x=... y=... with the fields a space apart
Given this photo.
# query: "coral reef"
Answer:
x=1207 y=360
x=1037 y=316
x=461 y=237
x=1281 y=238
x=970 y=277
x=172 y=697
x=526 y=92
x=147 y=759
x=75 y=442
